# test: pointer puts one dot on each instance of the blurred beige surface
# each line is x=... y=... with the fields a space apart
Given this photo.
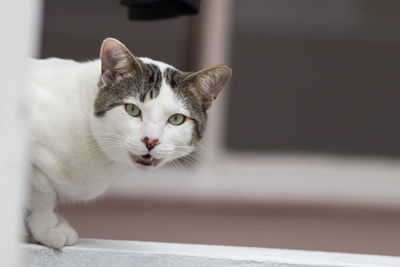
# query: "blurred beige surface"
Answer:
x=280 y=225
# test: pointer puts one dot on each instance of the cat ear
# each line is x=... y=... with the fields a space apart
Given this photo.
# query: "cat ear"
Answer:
x=209 y=82
x=115 y=60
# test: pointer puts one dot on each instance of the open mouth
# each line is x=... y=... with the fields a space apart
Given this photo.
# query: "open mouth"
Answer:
x=145 y=160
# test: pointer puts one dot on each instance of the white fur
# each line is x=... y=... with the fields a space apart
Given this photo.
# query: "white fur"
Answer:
x=74 y=155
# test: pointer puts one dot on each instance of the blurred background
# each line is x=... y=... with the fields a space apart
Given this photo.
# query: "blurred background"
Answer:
x=302 y=149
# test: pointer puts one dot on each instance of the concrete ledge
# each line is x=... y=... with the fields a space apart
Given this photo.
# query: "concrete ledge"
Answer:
x=96 y=252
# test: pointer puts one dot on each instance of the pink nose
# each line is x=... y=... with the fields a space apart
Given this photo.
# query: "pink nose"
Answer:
x=150 y=143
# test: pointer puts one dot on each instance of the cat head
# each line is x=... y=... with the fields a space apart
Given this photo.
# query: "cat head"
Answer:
x=148 y=113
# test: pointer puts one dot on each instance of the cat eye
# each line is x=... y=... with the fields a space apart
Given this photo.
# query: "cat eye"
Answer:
x=132 y=110
x=177 y=119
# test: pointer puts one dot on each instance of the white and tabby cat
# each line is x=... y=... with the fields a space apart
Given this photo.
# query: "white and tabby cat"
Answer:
x=90 y=121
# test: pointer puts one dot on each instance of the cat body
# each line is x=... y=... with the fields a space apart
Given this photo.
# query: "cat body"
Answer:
x=61 y=138
x=91 y=121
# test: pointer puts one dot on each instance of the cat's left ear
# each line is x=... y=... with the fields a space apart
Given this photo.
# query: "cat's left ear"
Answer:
x=116 y=59
x=209 y=82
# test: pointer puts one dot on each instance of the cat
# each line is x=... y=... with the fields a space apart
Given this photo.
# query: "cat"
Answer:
x=91 y=121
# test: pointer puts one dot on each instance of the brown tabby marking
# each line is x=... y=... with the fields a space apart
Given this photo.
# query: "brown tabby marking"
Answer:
x=186 y=92
x=145 y=84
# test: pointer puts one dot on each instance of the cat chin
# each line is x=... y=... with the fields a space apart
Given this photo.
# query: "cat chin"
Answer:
x=146 y=162
x=146 y=167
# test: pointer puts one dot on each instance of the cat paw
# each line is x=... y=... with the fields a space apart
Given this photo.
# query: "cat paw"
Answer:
x=59 y=236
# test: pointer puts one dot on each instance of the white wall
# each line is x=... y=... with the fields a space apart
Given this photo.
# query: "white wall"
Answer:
x=19 y=22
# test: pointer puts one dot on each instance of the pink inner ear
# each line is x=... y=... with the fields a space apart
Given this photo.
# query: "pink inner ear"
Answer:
x=108 y=76
x=210 y=83
x=108 y=64
x=111 y=54
x=220 y=80
x=213 y=82
x=108 y=53
x=110 y=44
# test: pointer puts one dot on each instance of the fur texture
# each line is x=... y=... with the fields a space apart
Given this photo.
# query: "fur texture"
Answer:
x=82 y=136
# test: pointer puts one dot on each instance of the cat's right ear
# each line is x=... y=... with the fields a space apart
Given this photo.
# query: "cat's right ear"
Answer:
x=116 y=59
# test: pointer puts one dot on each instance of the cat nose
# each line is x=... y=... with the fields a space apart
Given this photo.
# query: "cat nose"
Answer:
x=150 y=143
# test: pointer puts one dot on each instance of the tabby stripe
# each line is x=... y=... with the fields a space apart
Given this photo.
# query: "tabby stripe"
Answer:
x=101 y=112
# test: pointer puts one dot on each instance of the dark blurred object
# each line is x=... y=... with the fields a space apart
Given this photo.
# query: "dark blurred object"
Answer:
x=160 y=9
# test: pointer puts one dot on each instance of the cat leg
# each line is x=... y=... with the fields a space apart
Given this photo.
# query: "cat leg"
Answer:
x=44 y=224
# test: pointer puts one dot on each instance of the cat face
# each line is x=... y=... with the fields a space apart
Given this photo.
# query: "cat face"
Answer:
x=148 y=113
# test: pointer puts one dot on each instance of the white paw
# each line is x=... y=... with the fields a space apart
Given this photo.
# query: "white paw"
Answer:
x=57 y=237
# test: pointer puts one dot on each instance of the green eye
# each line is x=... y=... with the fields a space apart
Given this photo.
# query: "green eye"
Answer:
x=132 y=110
x=177 y=119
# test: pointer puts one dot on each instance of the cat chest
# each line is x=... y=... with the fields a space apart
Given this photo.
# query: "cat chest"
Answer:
x=86 y=183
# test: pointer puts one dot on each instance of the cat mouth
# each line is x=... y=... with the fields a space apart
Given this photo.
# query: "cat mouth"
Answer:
x=145 y=160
